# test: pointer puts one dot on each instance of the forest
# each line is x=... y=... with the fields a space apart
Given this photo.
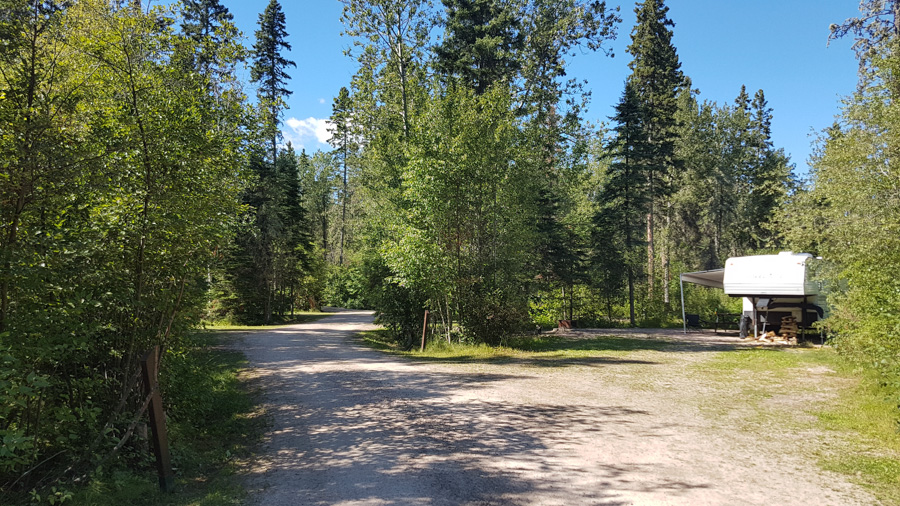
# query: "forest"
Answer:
x=146 y=189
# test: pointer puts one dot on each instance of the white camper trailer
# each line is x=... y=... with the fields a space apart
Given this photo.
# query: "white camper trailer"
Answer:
x=772 y=286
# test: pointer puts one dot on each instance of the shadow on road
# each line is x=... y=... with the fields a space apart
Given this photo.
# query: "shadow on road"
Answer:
x=351 y=425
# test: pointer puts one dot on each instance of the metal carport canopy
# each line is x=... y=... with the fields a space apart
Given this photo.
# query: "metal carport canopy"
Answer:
x=713 y=278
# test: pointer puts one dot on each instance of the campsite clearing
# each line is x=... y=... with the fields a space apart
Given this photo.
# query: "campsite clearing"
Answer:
x=639 y=418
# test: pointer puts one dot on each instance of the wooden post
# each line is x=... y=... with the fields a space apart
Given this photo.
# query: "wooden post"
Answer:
x=424 y=329
x=149 y=371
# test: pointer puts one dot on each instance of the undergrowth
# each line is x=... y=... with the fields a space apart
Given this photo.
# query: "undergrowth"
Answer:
x=212 y=426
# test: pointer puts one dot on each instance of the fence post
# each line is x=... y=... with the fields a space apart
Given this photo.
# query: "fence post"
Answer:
x=150 y=371
x=424 y=329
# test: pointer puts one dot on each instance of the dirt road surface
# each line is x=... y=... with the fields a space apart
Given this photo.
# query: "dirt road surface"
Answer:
x=353 y=426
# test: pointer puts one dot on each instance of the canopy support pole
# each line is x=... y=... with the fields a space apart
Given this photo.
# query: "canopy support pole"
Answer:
x=755 y=319
x=683 y=316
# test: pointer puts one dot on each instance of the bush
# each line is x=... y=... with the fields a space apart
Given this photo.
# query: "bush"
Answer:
x=345 y=287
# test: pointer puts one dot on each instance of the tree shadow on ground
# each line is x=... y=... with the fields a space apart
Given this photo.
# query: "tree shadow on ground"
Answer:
x=358 y=427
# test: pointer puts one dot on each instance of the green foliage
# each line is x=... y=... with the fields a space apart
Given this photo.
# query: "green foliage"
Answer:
x=733 y=180
x=392 y=36
x=481 y=43
x=208 y=24
x=345 y=287
x=622 y=203
x=849 y=213
x=463 y=233
x=266 y=267
x=656 y=79
x=345 y=151
x=545 y=350
x=211 y=426
x=19 y=396
x=120 y=178
x=269 y=63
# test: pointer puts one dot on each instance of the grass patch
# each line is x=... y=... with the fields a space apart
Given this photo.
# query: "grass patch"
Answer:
x=881 y=475
x=602 y=344
x=212 y=426
x=863 y=443
x=305 y=317
x=872 y=457
x=530 y=350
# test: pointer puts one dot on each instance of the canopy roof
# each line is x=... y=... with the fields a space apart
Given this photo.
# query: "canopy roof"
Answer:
x=714 y=278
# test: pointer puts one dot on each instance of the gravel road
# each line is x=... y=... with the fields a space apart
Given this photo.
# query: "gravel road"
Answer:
x=352 y=426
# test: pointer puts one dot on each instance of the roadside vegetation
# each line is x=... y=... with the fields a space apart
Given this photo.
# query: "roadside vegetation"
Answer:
x=543 y=348
x=213 y=426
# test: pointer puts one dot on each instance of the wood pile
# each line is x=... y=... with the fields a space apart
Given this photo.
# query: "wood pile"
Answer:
x=787 y=334
x=788 y=328
x=772 y=338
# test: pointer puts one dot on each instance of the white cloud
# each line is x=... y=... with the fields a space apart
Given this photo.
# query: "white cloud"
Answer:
x=311 y=133
x=321 y=100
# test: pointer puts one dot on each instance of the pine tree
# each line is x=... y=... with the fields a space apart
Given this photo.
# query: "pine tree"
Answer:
x=294 y=243
x=656 y=79
x=204 y=22
x=771 y=178
x=341 y=139
x=481 y=43
x=268 y=69
x=623 y=199
x=742 y=102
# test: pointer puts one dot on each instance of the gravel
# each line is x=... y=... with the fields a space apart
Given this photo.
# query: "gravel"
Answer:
x=353 y=426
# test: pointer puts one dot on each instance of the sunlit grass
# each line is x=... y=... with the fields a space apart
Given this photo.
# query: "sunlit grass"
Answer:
x=864 y=442
x=304 y=317
x=536 y=349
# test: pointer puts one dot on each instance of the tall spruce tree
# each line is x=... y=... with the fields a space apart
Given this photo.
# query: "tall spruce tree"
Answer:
x=205 y=23
x=554 y=136
x=293 y=245
x=342 y=140
x=623 y=199
x=771 y=177
x=268 y=69
x=656 y=79
x=277 y=234
x=481 y=43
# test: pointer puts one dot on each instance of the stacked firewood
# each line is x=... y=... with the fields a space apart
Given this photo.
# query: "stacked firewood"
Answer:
x=772 y=338
x=788 y=328
x=787 y=334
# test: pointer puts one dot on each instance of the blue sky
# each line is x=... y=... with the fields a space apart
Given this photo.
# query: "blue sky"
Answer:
x=779 y=46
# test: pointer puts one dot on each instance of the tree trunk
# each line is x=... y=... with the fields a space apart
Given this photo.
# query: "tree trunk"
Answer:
x=268 y=305
x=343 y=207
x=631 y=297
x=325 y=228
x=665 y=254
x=650 y=254
x=401 y=68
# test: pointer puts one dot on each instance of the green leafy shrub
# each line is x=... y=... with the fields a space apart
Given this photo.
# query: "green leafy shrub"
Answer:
x=345 y=287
